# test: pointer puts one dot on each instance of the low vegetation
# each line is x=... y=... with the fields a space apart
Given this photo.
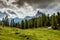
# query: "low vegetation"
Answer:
x=8 y=33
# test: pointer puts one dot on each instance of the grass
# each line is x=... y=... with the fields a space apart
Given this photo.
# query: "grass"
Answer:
x=7 y=33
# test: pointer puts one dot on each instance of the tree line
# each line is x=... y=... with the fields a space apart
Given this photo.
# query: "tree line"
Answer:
x=52 y=21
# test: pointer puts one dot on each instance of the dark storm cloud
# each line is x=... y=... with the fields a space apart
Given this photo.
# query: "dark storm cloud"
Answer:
x=34 y=3
x=39 y=3
x=2 y=4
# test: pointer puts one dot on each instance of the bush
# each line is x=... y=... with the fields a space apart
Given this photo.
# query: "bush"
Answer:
x=54 y=27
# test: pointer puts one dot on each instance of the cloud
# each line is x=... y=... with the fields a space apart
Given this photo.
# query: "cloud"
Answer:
x=34 y=3
x=41 y=3
x=14 y=11
x=22 y=8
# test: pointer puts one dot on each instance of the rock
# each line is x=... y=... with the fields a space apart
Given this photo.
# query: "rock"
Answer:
x=27 y=38
x=16 y=33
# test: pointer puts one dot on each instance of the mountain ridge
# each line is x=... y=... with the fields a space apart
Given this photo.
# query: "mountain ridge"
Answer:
x=17 y=19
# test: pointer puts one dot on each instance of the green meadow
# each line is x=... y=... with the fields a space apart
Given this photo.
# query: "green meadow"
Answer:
x=7 y=33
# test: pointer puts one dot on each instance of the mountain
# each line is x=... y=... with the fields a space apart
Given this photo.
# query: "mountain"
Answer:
x=38 y=14
x=16 y=19
x=28 y=17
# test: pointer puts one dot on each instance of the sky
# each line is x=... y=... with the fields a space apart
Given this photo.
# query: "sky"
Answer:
x=22 y=8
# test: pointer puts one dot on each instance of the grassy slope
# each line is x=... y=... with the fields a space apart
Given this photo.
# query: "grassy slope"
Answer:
x=7 y=33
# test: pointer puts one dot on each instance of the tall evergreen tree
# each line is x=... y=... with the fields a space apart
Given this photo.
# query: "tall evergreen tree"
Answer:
x=29 y=24
x=39 y=22
x=22 y=24
x=12 y=23
x=32 y=22
x=26 y=24
x=48 y=21
x=6 y=21
x=58 y=20
x=58 y=17
x=35 y=23
x=54 y=22
x=17 y=25
x=43 y=20
x=3 y=22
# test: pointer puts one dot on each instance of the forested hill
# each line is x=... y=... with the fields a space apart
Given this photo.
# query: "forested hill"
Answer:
x=42 y=21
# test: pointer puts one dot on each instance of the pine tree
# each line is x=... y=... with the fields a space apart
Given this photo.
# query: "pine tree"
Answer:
x=43 y=20
x=35 y=23
x=29 y=24
x=3 y=22
x=26 y=24
x=58 y=20
x=32 y=22
x=39 y=24
x=48 y=21
x=6 y=21
x=12 y=23
x=58 y=17
x=22 y=24
x=17 y=25
x=54 y=22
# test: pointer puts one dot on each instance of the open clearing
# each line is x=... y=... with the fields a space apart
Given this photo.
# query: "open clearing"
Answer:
x=7 y=33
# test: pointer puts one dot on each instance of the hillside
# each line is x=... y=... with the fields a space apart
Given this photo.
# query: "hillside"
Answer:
x=7 y=33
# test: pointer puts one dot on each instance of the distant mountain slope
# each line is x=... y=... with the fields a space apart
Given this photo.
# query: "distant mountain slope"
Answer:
x=17 y=19
x=38 y=14
x=28 y=17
